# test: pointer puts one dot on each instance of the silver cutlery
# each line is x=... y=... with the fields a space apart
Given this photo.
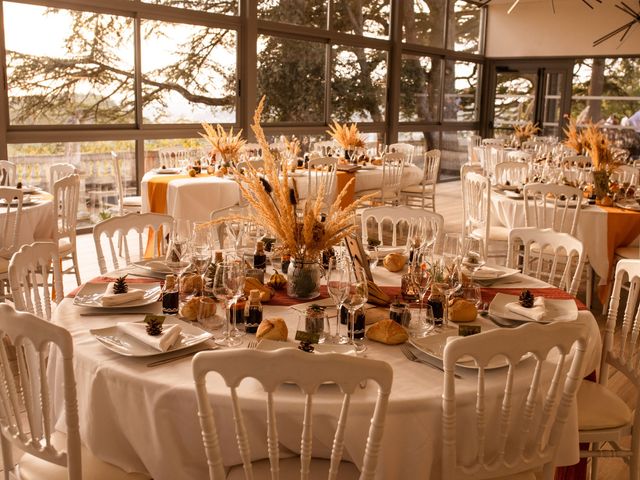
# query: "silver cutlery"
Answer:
x=164 y=361
x=412 y=357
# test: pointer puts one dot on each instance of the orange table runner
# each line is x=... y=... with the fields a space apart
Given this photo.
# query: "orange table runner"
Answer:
x=623 y=226
x=342 y=178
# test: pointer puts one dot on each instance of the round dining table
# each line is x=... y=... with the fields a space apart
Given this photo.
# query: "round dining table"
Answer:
x=36 y=220
x=194 y=198
x=144 y=419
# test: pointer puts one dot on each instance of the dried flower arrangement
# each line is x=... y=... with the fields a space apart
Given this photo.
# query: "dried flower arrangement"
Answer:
x=225 y=143
x=292 y=146
x=526 y=131
x=574 y=136
x=273 y=203
x=347 y=136
x=599 y=148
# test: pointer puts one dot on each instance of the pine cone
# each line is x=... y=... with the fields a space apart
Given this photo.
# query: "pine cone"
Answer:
x=526 y=299
x=120 y=285
x=154 y=328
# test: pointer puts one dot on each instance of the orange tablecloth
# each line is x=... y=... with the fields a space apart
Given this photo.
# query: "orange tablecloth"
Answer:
x=623 y=226
x=342 y=178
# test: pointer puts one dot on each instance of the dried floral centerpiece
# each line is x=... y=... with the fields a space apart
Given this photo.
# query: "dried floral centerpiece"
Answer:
x=303 y=235
x=597 y=145
x=574 y=137
x=524 y=132
x=347 y=136
x=224 y=143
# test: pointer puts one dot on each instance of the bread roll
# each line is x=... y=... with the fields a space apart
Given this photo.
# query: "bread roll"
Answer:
x=462 y=311
x=190 y=283
x=273 y=329
x=394 y=262
x=189 y=310
x=388 y=332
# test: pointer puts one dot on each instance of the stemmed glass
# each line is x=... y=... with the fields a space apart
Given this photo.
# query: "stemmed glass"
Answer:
x=176 y=257
x=227 y=286
x=356 y=297
x=421 y=282
x=473 y=257
x=201 y=248
x=452 y=282
x=422 y=234
x=452 y=247
x=338 y=288
x=373 y=255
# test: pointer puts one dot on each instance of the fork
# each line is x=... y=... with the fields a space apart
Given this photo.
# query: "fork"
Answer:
x=252 y=345
x=412 y=357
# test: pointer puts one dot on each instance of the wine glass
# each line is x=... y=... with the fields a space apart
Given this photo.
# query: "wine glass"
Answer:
x=452 y=283
x=356 y=296
x=473 y=257
x=227 y=286
x=373 y=255
x=421 y=281
x=451 y=248
x=422 y=234
x=338 y=286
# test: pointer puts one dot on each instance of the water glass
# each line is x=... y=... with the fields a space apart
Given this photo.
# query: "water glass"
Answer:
x=338 y=287
x=419 y=322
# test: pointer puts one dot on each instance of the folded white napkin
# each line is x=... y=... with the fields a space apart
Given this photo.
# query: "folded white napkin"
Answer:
x=110 y=299
x=162 y=342
x=534 y=313
x=487 y=272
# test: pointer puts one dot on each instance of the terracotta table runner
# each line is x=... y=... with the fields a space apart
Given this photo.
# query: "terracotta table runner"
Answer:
x=342 y=178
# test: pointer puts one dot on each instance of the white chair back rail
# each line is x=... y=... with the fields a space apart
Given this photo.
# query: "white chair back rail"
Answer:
x=580 y=161
x=230 y=218
x=392 y=168
x=29 y=271
x=511 y=173
x=66 y=192
x=7 y=173
x=557 y=207
x=119 y=227
x=322 y=173
x=60 y=170
x=33 y=338
x=406 y=149
x=520 y=433
x=309 y=372
x=173 y=157
x=626 y=174
x=473 y=141
x=326 y=147
x=425 y=192
x=476 y=205
x=555 y=257
x=398 y=218
x=10 y=220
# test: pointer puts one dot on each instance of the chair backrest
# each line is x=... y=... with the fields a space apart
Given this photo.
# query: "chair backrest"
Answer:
x=520 y=430
x=473 y=141
x=236 y=227
x=619 y=348
x=580 y=161
x=7 y=173
x=493 y=154
x=326 y=147
x=555 y=257
x=530 y=146
x=309 y=372
x=519 y=156
x=322 y=170
x=27 y=391
x=431 y=167
x=10 y=220
x=405 y=148
x=399 y=218
x=549 y=205
x=392 y=168
x=469 y=167
x=499 y=142
x=66 y=193
x=511 y=173
x=626 y=174
x=120 y=226
x=60 y=170
x=29 y=271
x=476 y=206
x=173 y=157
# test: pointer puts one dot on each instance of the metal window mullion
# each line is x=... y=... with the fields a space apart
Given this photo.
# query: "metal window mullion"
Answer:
x=445 y=30
x=138 y=104
x=247 y=52
x=394 y=71
x=328 y=69
x=4 y=96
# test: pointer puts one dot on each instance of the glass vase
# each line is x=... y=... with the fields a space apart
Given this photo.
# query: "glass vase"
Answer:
x=303 y=278
x=600 y=184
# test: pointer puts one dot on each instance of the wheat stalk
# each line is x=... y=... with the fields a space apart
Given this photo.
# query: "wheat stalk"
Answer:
x=347 y=136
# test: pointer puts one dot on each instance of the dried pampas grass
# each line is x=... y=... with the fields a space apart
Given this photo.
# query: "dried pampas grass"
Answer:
x=347 y=136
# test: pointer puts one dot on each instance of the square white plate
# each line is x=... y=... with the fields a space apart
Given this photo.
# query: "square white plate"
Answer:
x=559 y=310
x=167 y=171
x=155 y=265
x=90 y=295
x=267 y=345
x=433 y=346
x=123 y=344
x=493 y=272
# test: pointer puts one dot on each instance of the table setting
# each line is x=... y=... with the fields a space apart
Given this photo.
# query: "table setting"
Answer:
x=133 y=358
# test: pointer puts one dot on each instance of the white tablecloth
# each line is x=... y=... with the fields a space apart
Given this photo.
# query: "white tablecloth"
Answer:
x=195 y=198
x=144 y=419
x=591 y=230
x=36 y=220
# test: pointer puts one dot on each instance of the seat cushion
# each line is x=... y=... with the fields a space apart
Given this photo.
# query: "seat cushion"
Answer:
x=628 y=252
x=600 y=408
x=290 y=468
x=34 y=468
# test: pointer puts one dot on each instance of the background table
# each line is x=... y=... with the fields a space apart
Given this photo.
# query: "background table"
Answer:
x=36 y=220
x=144 y=419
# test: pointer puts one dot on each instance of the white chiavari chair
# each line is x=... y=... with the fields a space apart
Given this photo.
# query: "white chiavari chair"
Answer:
x=325 y=148
x=405 y=148
x=173 y=157
x=389 y=191
x=309 y=372
x=517 y=437
x=66 y=193
x=58 y=171
x=117 y=230
x=472 y=142
x=8 y=173
x=10 y=221
x=322 y=171
x=29 y=272
x=511 y=173
x=606 y=422
x=555 y=257
x=27 y=421
x=126 y=203
x=424 y=194
x=476 y=205
x=519 y=156
x=396 y=222
x=626 y=174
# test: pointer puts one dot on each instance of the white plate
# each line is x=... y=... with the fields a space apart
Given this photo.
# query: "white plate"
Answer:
x=513 y=195
x=156 y=265
x=269 y=345
x=167 y=171
x=507 y=188
x=90 y=295
x=629 y=205
x=493 y=272
x=433 y=346
x=30 y=189
x=123 y=344
x=556 y=309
